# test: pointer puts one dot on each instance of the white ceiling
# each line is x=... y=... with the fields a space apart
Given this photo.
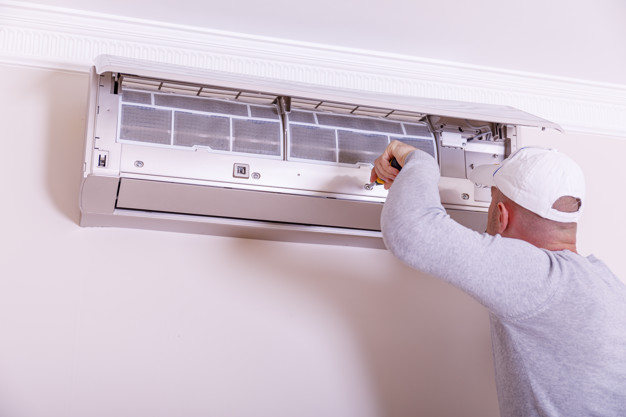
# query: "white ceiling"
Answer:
x=567 y=38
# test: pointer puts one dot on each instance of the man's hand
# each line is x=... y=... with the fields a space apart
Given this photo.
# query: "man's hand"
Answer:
x=382 y=167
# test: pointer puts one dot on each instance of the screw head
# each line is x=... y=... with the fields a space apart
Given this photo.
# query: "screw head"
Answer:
x=139 y=164
x=465 y=196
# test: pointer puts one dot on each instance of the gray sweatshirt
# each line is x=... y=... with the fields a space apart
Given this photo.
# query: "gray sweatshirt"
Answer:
x=558 y=319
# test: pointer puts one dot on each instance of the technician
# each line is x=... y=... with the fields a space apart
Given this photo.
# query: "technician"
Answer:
x=558 y=319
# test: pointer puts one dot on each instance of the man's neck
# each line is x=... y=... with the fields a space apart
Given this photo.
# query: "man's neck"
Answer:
x=552 y=241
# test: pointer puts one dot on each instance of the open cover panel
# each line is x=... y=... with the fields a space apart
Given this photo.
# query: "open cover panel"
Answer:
x=176 y=148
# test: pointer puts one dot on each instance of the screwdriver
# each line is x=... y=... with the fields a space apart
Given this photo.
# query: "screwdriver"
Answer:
x=394 y=163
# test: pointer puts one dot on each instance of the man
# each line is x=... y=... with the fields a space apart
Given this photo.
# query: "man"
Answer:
x=558 y=319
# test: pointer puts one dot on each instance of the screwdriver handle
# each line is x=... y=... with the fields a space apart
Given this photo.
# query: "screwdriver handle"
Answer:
x=394 y=163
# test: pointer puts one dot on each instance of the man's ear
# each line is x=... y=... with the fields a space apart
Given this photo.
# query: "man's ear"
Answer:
x=503 y=217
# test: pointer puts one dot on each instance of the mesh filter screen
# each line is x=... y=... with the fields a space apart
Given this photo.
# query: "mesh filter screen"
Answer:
x=426 y=145
x=302 y=117
x=198 y=129
x=255 y=128
x=257 y=137
x=137 y=97
x=315 y=143
x=360 y=123
x=207 y=122
x=146 y=124
x=265 y=112
x=357 y=147
x=350 y=139
x=417 y=130
x=201 y=104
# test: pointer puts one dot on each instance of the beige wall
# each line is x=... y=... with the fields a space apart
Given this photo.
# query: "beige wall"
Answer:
x=113 y=322
x=603 y=226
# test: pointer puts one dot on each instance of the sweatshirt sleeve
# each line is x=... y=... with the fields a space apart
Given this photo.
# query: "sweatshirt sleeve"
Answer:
x=508 y=276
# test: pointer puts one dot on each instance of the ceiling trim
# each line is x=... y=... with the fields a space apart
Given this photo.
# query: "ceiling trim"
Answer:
x=68 y=39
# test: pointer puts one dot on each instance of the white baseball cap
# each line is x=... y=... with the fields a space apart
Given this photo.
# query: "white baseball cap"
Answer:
x=535 y=178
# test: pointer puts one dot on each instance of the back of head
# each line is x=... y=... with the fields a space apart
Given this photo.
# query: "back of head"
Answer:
x=543 y=181
x=542 y=232
x=543 y=193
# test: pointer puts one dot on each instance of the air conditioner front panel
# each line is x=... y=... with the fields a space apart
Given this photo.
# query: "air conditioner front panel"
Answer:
x=209 y=168
x=159 y=196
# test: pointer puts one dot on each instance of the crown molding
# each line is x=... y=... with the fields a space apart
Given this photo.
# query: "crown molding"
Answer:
x=68 y=39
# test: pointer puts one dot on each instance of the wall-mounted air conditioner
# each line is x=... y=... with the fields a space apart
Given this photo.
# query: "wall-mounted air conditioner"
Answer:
x=184 y=149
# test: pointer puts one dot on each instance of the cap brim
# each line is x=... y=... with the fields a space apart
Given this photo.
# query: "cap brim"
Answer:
x=483 y=175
